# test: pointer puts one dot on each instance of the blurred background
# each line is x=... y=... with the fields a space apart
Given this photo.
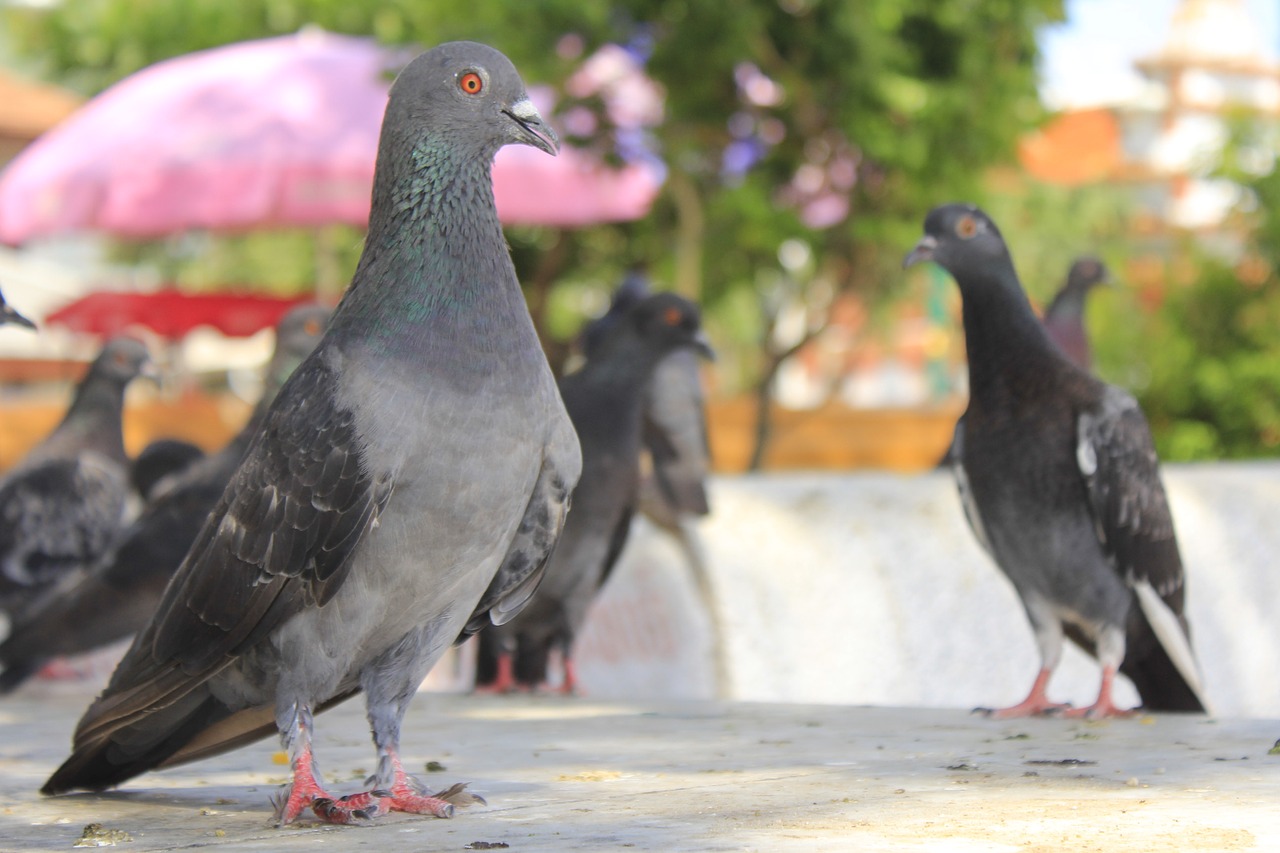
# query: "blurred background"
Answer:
x=771 y=159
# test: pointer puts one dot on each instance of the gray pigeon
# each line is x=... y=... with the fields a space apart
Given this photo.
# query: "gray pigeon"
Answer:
x=118 y=596
x=606 y=400
x=64 y=502
x=10 y=317
x=1064 y=318
x=1061 y=485
x=404 y=490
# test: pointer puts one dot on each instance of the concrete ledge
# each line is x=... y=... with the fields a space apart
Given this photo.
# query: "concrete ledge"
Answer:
x=869 y=589
x=696 y=776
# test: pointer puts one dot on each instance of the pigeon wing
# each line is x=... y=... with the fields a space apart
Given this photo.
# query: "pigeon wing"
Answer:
x=279 y=541
x=522 y=569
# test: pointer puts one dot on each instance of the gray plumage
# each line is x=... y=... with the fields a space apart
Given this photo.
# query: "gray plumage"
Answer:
x=404 y=490
x=1061 y=485
x=1064 y=318
x=9 y=316
x=63 y=503
x=117 y=597
x=606 y=400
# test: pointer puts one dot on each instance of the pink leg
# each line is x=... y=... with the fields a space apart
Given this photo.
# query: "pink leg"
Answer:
x=504 y=681
x=1036 y=703
x=304 y=790
x=405 y=794
x=569 y=685
x=1104 y=707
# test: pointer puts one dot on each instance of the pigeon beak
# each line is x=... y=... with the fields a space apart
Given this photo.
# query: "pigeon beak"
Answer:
x=150 y=370
x=922 y=252
x=533 y=129
x=702 y=346
x=13 y=317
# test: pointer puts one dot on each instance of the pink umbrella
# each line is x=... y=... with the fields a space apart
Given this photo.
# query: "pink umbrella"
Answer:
x=275 y=132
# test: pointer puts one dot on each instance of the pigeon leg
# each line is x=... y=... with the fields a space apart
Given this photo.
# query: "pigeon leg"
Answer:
x=305 y=789
x=1036 y=703
x=1104 y=707
x=1110 y=651
x=389 y=683
x=1048 y=633
x=504 y=681
x=569 y=684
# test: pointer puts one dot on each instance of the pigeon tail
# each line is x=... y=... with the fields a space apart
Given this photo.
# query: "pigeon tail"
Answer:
x=1168 y=679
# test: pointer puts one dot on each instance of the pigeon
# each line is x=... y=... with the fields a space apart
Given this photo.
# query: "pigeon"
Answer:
x=62 y=504
x=10 y=317
x=404 y=490
x=606 y=400
x=117 y=597
x=1060 y=483
x=159 y=462
x=1064 y=318
x=675 y=421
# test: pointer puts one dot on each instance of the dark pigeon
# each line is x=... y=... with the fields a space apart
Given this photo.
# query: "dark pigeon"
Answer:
x=119 y=595
x=63 y=503
x=159 y=462
x=606 y=400
x=1064 y=318
x=1061 y=485
x=675 y=421
x=404 y=490
x=10 y=317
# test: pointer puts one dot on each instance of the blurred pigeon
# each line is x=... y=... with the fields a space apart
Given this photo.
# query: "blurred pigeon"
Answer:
x=160 y=460
x=118 y=596
x=606 y=400
x=675 y=420
x=10 y=317
x=1061 y=485
x=63 y=503
x=1064 y=318
x=404 y=490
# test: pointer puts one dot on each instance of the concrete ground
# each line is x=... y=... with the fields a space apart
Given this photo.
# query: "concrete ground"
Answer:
x=581 y=774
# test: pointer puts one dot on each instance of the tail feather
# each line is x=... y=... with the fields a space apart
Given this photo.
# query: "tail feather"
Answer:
x=113 y=757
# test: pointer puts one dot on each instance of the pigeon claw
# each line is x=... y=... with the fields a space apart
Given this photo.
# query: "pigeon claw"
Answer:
x=341 y=810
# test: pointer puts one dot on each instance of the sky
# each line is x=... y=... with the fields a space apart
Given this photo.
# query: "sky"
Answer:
x=1089 y=59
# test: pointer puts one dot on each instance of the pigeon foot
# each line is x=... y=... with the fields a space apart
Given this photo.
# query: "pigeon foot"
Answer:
x=1025 y=709
x=406 y=795
x=1100 y=711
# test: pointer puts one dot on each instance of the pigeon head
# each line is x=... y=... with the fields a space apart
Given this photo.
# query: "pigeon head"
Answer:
x=473 y=92
x=668 y=322
x=122 y=359
x=1087 y=272
x=961 y=239
x=297 y=333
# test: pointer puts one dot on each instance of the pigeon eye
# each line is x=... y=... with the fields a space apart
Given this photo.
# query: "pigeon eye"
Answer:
x=471 y=83
x=671 y=316
x=312 y=327
x=966 y=227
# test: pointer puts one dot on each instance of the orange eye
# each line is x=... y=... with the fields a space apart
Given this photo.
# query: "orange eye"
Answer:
x=312 y=327
x=471 y=83
x=967 y=227
x=672 y=316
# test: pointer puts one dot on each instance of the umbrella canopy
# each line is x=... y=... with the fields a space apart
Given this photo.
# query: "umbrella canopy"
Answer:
x=275 y=132
x=171 y=313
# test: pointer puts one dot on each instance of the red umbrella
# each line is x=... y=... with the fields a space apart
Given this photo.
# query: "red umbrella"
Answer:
x=171 y=313
x=280 y=131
